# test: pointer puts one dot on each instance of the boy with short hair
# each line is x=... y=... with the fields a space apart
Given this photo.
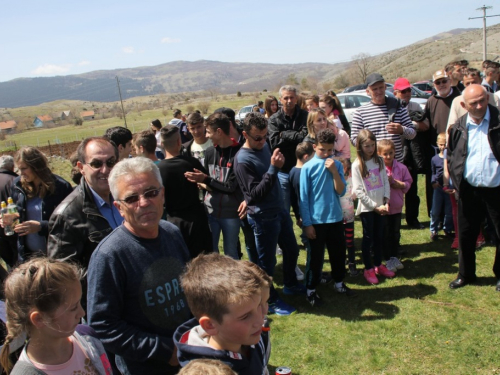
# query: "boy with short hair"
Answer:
x=226 y=298
x=145 y=145
x=440 y=198
x=322 y=184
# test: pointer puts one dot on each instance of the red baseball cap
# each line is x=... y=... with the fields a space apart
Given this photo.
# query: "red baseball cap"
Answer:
x=401 y=84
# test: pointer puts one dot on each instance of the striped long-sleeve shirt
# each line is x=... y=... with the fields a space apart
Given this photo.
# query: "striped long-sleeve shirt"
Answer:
x=374 y=117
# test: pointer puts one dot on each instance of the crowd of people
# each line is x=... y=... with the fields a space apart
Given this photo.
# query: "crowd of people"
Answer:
x=122 y=274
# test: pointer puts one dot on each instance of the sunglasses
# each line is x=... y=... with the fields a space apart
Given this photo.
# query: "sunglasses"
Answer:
x=441 y=82
x=150 y=194
x=97 y=164
x=258 y=138
x=405 y=91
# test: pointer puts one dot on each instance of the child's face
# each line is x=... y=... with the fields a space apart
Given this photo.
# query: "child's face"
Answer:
x=310 y=105
x=320 y=123
x=63 y=321
x=242 y=325
x=324 y=150
x=441 y=143
x=368 y=149
x=325 y=107
x=387 y=153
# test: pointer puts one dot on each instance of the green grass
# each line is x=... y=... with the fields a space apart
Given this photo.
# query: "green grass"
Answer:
x=411 y=324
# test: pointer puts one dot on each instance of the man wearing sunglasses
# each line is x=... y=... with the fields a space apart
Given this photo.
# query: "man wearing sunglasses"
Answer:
x=135 y=301
x=87 y=215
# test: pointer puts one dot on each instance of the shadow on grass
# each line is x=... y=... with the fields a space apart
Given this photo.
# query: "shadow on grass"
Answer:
x=368 y=304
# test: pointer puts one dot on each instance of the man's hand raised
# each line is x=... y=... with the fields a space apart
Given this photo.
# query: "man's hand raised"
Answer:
x=277 y=159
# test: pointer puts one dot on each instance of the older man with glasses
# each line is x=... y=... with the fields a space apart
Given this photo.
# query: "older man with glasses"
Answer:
x=135 y=301
x=87 y=215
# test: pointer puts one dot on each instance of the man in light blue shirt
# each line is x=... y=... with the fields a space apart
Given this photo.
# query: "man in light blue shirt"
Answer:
x=473 y=162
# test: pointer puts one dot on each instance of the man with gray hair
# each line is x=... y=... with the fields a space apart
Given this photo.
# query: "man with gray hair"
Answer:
x=8 y=247
x=135 y=301
x=287 y=128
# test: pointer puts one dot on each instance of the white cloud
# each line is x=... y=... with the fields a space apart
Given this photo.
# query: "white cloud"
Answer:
x=170 y=40
x=84 y=62
x=128 y=49
x=51 y=69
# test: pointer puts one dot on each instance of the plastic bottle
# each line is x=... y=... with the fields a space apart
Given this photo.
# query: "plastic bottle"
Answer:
x=12 y=210
x=7 y=228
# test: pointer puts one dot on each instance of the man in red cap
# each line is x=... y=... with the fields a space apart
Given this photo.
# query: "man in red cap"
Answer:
x=414 y=159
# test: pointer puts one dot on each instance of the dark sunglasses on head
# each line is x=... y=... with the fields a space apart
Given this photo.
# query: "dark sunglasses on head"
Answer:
x=405 y=91
x=150 y=194
x=441 y=82
x=97 y=164
x=258 y=138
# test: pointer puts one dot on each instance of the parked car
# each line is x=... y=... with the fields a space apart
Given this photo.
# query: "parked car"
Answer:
x=243 y=112
x=353 y=100
x=425 y=86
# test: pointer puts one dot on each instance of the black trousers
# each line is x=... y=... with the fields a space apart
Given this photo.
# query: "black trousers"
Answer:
x=392 y=235
x=473 y=205
x=412 y=200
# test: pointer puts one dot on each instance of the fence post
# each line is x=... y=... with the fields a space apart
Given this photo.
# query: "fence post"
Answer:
x=50 y=148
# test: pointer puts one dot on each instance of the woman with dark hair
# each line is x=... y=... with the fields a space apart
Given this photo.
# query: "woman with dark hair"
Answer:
x=331 y=105
x=37 y=192
x=155 y=128
x=271 y=106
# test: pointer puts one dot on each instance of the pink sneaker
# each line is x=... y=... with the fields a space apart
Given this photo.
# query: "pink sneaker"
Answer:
x=382 y=270
x=454 y=245
x=370 y=276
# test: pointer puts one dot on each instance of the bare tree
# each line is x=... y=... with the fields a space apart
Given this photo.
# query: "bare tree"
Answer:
x=362 y=65
x=204 y=107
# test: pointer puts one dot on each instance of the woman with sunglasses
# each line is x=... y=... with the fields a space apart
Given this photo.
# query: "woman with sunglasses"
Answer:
x=36 y=192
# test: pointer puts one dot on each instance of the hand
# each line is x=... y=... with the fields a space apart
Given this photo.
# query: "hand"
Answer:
x=330 y=165
x=196 y=176
x=299 y=223
x=242 y=210
x=449 y=191
x=394 y=128
x=277 y=159
x=173 y=360
x=310 y=232
x=381 y=210
x=391 y=180
x=435 y=185
x=28 y=227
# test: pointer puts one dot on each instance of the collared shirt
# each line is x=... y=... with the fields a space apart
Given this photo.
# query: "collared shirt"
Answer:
x=481 y=166
x=109 y=211
x=492 y=88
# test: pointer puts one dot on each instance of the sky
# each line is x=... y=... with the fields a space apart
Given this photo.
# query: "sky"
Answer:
x=52 y=37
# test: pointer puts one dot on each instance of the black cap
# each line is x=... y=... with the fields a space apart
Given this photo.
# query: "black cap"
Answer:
x=374 y=78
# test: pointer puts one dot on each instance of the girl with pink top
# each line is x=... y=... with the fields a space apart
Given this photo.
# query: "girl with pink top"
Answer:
x=400 y=181
x=316 y=121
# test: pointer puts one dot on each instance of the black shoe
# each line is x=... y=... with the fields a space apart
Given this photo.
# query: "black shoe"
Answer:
x=326 y=278
x=498 y=286
x=415 y=224
x=460 y=282
x=352 y=270
x=343 y=289
x=314 y=300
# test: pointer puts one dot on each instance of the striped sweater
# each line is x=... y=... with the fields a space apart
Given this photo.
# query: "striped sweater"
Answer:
x=375 y=118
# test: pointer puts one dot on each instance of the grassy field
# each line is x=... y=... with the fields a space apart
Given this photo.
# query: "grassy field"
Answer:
x=411 y=324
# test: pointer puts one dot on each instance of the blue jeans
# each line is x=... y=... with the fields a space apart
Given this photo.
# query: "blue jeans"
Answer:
x=230 y=228
x=253 y=256
x=373 y=238
x=439 y=200
x=270 y=230
x=285 y=187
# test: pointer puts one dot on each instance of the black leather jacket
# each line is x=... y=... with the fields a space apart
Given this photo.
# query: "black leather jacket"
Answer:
x=49 y=203
x=76 y=227
x=457 y=145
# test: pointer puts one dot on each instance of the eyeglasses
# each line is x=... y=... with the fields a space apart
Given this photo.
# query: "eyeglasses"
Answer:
x=97 y=164
x=405 y=91
x=258 y=138
x=150 y=194
x=441 y=82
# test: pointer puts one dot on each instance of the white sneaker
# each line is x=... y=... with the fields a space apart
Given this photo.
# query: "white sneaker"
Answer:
x=299 y=273
x=397 y=263
x=391 y=265
x=279 y=251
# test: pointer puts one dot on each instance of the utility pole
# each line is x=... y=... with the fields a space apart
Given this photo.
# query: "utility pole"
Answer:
x=123 y=110
x=483 y=8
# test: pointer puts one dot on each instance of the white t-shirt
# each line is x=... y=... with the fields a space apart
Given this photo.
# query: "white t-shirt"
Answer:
x=198 y=151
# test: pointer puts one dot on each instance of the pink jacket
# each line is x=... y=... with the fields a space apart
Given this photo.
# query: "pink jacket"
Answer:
x=400 y=173
x=342 y=145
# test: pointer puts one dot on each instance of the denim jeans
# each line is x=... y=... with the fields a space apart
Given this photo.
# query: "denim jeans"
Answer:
x=284 y=180
x=270 y=230
x=250 y=246
x=373 y=238
x=230 y=228
x=440 y=199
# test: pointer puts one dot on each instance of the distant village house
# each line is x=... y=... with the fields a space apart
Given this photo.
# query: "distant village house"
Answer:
x=64 y=115
x=87 y=115
x=8 y=126
x=43 y=121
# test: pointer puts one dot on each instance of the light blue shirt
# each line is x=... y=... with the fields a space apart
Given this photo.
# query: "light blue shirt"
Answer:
x=109 y=212
x=481 y=166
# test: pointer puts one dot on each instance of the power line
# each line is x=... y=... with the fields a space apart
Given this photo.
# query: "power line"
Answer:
x=484 y=8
